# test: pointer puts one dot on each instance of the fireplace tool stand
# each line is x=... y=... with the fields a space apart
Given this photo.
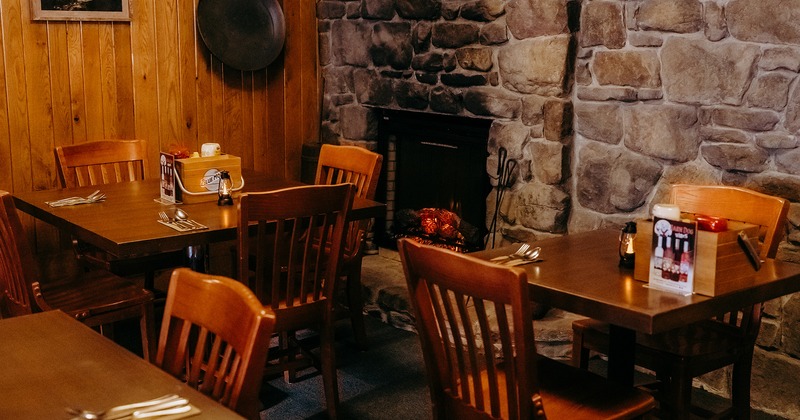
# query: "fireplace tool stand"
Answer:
x=505 y=170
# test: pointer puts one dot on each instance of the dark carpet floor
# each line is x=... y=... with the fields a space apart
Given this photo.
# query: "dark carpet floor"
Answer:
x=385 y=382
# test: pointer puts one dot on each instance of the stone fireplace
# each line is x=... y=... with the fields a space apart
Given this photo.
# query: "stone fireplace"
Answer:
x=604 y=104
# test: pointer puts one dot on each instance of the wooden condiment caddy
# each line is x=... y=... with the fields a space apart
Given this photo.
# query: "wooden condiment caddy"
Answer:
x=196 y=176
x=720 y=264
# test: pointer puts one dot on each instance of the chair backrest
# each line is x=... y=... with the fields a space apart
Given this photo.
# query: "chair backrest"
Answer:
x=292 y=272
x=215 y=336
x=17 y=265
x=475 y=325
x=358 y=166
x=739 y=204
x=349 y=164
x=744 y=205
x=102 y=162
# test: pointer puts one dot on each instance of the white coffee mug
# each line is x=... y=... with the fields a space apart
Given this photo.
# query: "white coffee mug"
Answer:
x=209 y=149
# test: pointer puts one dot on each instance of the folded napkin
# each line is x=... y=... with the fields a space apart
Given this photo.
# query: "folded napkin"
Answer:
x=184 y=225
x=73 y=201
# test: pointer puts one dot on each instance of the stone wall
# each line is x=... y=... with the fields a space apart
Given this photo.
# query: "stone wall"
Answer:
x=604 y=103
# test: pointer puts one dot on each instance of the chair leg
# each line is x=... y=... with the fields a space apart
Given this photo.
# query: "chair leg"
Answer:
x=355 y=302
x=150 y=280
x=147 y=326
x=740 y=384
x=329 y=377
x=580 y=354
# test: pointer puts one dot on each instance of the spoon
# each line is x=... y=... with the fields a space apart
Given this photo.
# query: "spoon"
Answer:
x=85 y=414
x=183 y=216
x=180 y=214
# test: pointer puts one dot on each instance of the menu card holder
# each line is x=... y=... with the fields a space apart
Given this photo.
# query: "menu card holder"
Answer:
x=672 y=255
x=167 y=178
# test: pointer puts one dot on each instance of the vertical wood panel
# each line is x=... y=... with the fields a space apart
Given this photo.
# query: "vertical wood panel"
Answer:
x=6 y=174
x=17 y=97
x=292 y=95
x=150 y=78
x=93 y=80
x=308 y=69
x=59 y=83
x=108 y=78
x=126 y=129
x=168 y=72
x=188 y=73
x=76 y=82
x=145 y=77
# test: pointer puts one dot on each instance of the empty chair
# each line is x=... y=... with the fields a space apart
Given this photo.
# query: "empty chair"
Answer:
x=476 y=329
x=361 y=167
x=108 y=162
x=97 y=298
x=215 y=336
x=293 y=275
x=678 y=356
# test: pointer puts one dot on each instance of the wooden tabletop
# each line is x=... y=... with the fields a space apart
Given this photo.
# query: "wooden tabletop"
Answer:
x=52 y=362
x=125 y=224
x=580 y=273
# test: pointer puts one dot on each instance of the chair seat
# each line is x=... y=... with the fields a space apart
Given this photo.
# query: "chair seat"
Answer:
x=93 y=293
x=570 y=393
x=595 y=398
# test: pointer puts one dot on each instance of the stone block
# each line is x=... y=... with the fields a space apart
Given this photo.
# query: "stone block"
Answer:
x=716 y=28
x=769 y=91
x=627 y=68
x=454 y=35
x=535 y=18
x=557 y=120
x=536 y=65
x=701 y=72
x=599 y=121
x=474 y=58
x=681 y=16
x=774 y=384
x=483 y=10
x=463 y=80
x=602 y=23
x=419 y=9
x=350 y=43
x=492 y=102
x=377 y=9
x=778 y=58
x=494 y=33
x=768 y=23
x=549 y=161
x=411 y=95
x=662 y=131
x=391 y=45
x=746 y=119
x=736 y=157
x=445 y=100
x=358 y=123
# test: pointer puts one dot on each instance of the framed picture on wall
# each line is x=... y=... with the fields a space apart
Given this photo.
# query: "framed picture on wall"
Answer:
x=96 y=10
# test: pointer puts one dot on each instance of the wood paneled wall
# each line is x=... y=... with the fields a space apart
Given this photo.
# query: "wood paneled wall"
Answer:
x=153 y=79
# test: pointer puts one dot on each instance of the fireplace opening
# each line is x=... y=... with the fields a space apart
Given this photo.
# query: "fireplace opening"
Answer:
x=436 y=182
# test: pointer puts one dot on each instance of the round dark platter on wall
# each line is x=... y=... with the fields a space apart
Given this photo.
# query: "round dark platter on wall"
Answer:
x=244 y=34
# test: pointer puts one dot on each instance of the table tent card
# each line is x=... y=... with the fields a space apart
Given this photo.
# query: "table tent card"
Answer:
x=167 y=178
x=672 y=256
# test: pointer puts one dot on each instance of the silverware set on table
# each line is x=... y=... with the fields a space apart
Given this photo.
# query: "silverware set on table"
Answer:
x=524 y=255
x=180 y=222
x=94 y=197
x=166 y=405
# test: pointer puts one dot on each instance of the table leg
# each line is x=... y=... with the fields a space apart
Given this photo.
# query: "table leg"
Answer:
x=621 y=354
x=197 y=258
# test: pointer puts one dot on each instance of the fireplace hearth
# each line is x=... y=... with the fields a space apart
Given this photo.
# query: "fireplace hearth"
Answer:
x=435 y=168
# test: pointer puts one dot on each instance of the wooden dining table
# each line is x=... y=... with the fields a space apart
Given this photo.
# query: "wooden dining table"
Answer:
x=126 y=224
x=580 y=273
x=51 y=362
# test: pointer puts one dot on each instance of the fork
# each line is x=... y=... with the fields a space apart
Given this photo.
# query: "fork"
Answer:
x=516 y=254
x=177 y=222
x=164 y=218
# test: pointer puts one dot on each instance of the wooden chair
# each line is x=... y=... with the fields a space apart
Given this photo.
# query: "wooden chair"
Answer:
x=359 y=166
x=96 y=298
x=215 y=336
x=107 y=162
x=293 y=275
x=729 y=339
x=475 y=325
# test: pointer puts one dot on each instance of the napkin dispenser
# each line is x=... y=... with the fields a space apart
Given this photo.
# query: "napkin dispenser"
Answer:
x=720 y=264
x=197 y=179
